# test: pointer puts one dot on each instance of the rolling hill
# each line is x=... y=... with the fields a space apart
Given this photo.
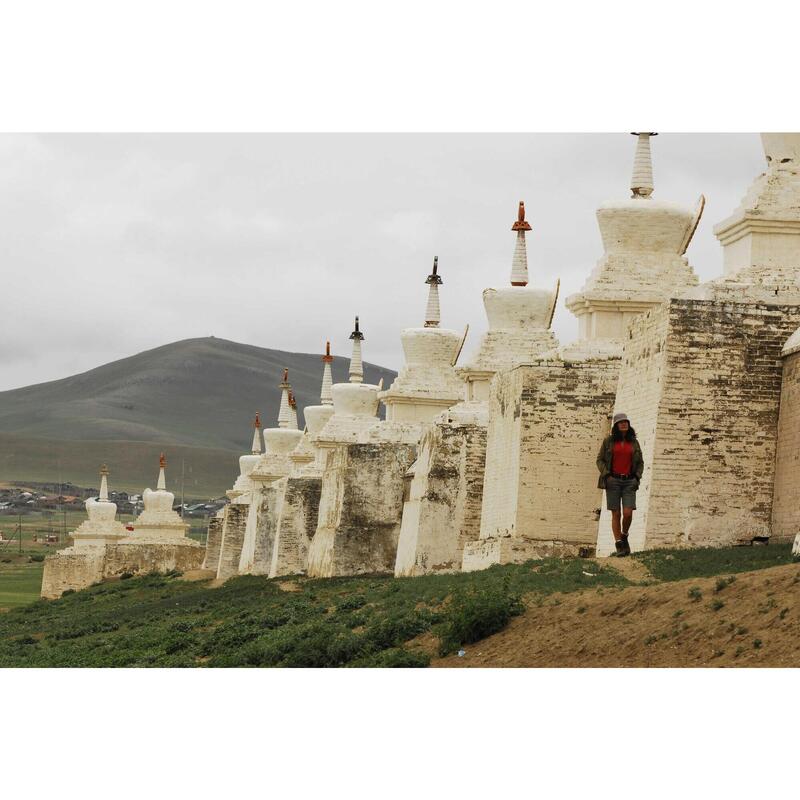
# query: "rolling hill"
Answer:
x=194 y=399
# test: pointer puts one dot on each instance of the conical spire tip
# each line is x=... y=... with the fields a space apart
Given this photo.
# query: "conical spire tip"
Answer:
x=521 y=224
x=434 y=277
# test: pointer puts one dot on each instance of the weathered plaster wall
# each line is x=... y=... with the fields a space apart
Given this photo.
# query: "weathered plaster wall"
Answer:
x=547 y=421
x=442 y=511
x=711 y=460
x=233 y=528
x=68 y=570
x=786 y=498
x=360 y=511
x=213 y=543
x=147 y=557
x=75 y=571
x=297 y=524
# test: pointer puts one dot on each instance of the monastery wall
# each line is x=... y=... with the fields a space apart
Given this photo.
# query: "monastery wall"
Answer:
x=547 y=421
x=442 y=511
x=79 y=570
x=297 y=524
x=360 y=510
x=262 y=528
x=233 y=529
x=213 y=543
x=786 y=497
x=710 y=463
x=74 y=571
x=142 y=558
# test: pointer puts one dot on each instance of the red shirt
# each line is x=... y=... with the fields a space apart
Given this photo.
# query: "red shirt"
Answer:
x=622 y=458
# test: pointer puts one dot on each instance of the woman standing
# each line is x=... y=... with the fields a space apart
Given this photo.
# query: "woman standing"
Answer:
x=621 y=466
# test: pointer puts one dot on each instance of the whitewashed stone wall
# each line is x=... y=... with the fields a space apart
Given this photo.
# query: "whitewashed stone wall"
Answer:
x=546 y=423
x=360 y=510
x=80 y=570
x=786 y=498
x=442 y=511
x=233 y=528
x=213 y=543
x=296 y=524
x=701 y=381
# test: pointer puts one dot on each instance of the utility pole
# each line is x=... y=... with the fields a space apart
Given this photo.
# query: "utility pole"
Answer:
x=19 y=531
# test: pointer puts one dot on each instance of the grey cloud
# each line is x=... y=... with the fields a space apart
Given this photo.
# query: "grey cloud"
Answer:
x=111 y=244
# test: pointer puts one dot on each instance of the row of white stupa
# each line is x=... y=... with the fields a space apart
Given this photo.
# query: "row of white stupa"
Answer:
x=644 y=242
x=427 y=384
x=158 y=522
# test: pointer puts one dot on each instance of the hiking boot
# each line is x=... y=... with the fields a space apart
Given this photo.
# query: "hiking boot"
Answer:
x=627 y=545
x=622 y=549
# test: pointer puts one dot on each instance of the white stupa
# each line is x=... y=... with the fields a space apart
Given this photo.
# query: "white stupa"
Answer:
x=247 y=463
x=306 y=457
x=519 y=327
x=427 y=383
x=158 y=522
x=759 y=239
x=643 y=263
x=101 y=527
x=281 y=441
x=355 y=404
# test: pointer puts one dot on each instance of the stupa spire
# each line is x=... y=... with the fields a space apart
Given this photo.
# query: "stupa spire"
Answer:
x=103 y=484
x=292 y=412
x=642 y=178
x=256 y=448
x=356 y=365
x=519 y=262
x=283 y=411
x=326 y=395
x=162 y=478
x=433 y=314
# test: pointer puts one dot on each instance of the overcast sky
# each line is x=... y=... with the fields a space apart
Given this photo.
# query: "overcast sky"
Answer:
x=113 y=244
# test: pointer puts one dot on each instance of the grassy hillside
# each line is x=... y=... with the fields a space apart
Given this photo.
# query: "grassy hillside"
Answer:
x=549 y=613
x=194 y=399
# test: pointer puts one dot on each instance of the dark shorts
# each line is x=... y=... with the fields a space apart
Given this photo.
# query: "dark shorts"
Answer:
x=620 y=492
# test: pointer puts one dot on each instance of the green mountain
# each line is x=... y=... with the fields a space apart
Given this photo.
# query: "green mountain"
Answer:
x=194 y=399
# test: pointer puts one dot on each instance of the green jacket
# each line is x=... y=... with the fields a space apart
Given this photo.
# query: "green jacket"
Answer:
x=604 y=460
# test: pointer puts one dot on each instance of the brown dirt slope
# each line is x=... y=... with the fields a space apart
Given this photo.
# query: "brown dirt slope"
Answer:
x=753 y=621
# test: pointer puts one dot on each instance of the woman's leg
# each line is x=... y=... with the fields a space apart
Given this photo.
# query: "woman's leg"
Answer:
x=627 y=519
x=615 y=525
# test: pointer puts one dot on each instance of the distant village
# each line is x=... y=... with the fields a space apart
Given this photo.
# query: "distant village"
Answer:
x=25 y=498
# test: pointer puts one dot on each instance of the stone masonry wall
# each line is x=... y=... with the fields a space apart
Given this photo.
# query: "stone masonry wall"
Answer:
x=74 y=571
x=547 y=421
x=361 y=505
x=268 y=513
x=786 y=497
x=712 y=457
x=213 y=542
x=235 y=521
x=140 y=559
x=296 y=526
x=78 y=570
x=442 y=512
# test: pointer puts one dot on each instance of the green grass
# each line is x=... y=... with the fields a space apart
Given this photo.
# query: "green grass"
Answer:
x=20 y=583
x=705 y=562
x=250 y=621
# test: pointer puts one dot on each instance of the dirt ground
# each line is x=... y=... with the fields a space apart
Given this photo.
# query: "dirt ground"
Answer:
x=752 y=622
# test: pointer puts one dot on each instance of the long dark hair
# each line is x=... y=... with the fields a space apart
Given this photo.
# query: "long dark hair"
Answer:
x=617 y=435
